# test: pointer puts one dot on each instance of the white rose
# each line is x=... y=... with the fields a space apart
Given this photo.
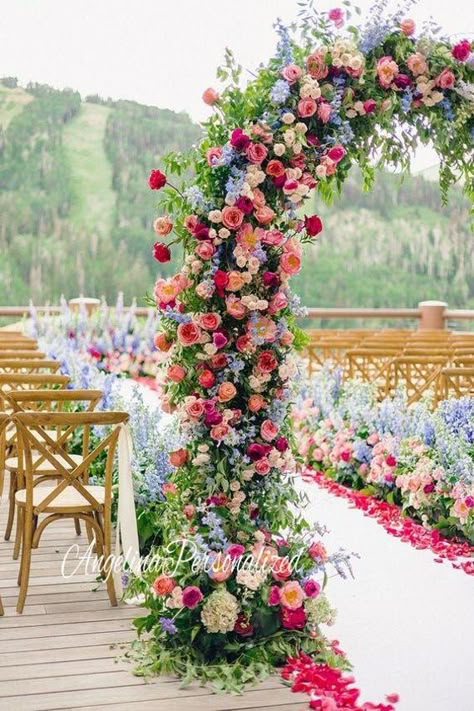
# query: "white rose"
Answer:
x=288 y=118
x=279 y=149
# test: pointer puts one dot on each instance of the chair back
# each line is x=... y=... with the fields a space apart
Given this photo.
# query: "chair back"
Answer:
x=28 y=381
x=8 y=354
x=28 y=365
x=36 y=446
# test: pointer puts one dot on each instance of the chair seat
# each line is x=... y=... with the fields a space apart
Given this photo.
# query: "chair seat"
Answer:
x=68 y=500
x=45 y=467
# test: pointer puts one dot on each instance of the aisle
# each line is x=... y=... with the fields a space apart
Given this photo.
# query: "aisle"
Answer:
x=405 y=622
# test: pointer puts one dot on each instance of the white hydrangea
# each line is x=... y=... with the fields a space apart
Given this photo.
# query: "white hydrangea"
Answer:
x=220 y=611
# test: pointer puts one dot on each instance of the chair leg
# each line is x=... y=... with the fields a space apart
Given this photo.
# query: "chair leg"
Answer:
x=77 y=526
x=2 y=612
x=11 y=506
x=108 y=567
x=18 y=536
x=25 y=561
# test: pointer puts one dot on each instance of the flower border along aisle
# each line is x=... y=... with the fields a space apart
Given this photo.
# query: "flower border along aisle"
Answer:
x=229 y=335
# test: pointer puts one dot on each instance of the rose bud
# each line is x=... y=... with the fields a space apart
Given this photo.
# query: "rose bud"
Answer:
x=157 y=180
x=161 y=252
x=313 y=225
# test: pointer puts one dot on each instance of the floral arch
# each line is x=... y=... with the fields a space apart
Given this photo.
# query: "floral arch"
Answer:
x=333 y=97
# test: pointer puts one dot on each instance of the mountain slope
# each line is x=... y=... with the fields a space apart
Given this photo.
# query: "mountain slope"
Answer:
x=77 y=214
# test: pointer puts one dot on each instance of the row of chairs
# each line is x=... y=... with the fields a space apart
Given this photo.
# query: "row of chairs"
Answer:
x=440 y=360
x=41 y=422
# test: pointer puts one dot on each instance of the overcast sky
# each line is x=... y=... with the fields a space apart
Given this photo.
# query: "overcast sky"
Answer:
x=160 y=52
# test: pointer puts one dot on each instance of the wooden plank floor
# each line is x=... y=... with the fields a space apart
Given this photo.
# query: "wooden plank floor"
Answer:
x=63 y=652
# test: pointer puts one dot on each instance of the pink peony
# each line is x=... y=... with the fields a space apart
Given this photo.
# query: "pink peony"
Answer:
x=292 y=595
x=293 y=619
x=312 y=588
x=387 y=70
x=290 y=263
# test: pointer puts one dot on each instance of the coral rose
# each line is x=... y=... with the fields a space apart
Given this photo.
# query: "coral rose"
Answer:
x=210 y=321
x=262 y=467
x=226 y=391
x=210 y=96
x=446 y=79
x=256 y=403
x=206 y=378
x=188 y=333
x=176 y=373
x=163 y=585
x=264 y=215
x=205 y=250
x=316 y=64
x=256 y=152
x=275 y=168
x=416 y=63
x=232 y=217
x=235 y=281
x=407 y=26
x=324 y=112
x=178 y=457
x=161 y=342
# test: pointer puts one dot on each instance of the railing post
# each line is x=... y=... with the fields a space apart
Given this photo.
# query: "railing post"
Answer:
x=432 y=315
x=89 y=304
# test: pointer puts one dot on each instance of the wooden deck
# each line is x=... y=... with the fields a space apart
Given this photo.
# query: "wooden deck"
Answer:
x=62 y=652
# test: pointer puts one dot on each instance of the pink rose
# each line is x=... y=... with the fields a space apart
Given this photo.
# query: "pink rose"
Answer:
x=324 y=112
x=192 y=596
x=219 y=431
x=262 y=467
x=268 y=430
x=407 y=26
x=256 y=152
x=274 y=595
x=264 y=215
x=278 y=302
x=291 y=73
x=176 y=373
x=210 y=97
x=312 y=588
x=213 y=155
x=336 y=153
x=446 y=79
x=293 y=619
x=369 y=106
x=188 y=333
x=316 y=64
x=336 y=15
x=210 y=321
x=235 y=307
x=306 y=107
x=205 y=250
x=461 y=50
x=195 y=409
x=274 y=237
x=235 y=550
x=232 y=217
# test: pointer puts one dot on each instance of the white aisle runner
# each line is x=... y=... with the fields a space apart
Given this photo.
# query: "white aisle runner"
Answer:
x=405 y=622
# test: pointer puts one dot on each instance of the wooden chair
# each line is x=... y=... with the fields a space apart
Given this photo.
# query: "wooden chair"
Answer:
x=71 y=496
x=38 y=401
x=456 y=382
x=28 y=381
x=28 y=365
x=417 y=374
x=3 y=424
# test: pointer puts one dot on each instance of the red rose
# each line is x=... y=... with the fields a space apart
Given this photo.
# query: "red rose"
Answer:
x=221 y=279
x=271 y=279
x=267 y=361
x=313 y=225
x=200 y=231
x=275 y=168
x=281 y=443
x=391 y=461
x=256 y=451
x=192 y=596
x=244 y=204
x=402 y=81
x=161 y=252
x=243 y=627
x=157 y=180
x=239 y=140
x=461 y=50
x=207 y=378
x=293 y=619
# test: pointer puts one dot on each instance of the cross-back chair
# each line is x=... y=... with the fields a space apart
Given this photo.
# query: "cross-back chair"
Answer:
x=40 y=401
x=456 y=382
x=417 y=374
x=71 y=496
x=3 y=424
x=28 y=365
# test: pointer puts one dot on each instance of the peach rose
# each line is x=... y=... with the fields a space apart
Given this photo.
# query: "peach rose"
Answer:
x=292 y=595
x=258 y=197
x=256 y=152
x=226 y=391
x=163 y=225
x=306 y=107
x=387 y=70
x=264 y=215
x=188 y=333
x=220 y=431
x=236 y=281
x=210 y=96
x=163 y=585
x=316 y=64
x=291 y=73
x=210 y=321
x=416 y=63
x=256 y=403
x=290 y=263
x=221 y=568
x=213 y=155
x=268 y=430
x=176 y=373
x=235 y=307
x=178 y=457
x=232 y=217
x=194 y=409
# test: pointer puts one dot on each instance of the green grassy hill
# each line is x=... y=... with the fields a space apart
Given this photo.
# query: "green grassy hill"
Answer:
x=76 y=212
